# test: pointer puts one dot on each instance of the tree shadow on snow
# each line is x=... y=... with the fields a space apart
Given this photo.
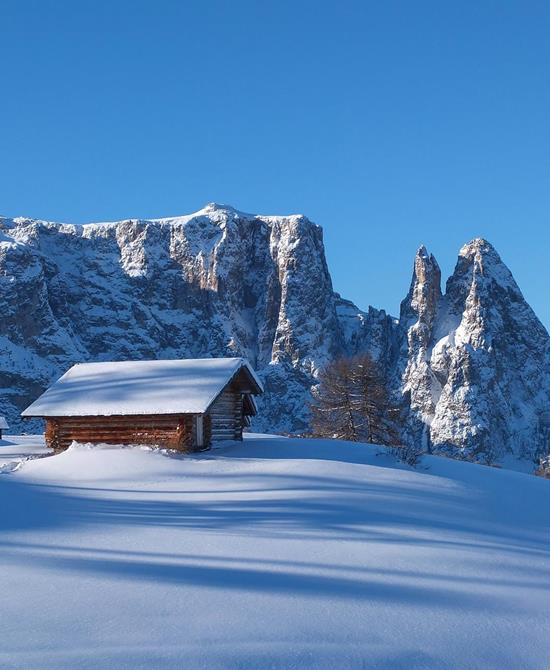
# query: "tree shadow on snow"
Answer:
x=293 y=506
x=264 y=576
x=289 y=505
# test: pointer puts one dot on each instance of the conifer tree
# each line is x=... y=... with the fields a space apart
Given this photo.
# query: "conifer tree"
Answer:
x=351 y=402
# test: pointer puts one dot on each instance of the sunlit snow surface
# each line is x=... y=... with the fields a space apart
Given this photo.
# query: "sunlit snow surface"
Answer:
x=138 y=387
x=277 y=553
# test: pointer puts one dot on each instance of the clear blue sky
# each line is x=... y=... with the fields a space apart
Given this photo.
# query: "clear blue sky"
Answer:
x=389 y=123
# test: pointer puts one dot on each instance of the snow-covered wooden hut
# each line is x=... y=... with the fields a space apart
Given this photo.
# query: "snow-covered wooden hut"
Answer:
x=180 y=404
x=3 y=425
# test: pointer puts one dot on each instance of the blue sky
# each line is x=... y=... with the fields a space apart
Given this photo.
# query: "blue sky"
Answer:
x=391 y=124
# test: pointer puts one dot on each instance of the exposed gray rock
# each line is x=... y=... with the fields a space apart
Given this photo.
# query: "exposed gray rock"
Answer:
x=415 y=378
x=471 y=366
x=478 y=360
x=213 y=283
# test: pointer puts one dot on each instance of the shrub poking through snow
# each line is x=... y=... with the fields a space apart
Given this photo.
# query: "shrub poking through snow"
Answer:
x=544 y=467
x=407 y=453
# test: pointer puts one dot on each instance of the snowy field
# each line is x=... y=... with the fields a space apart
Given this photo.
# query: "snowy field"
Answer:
x=277 y=553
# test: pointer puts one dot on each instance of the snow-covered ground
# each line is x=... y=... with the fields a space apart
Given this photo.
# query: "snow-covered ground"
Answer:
x=16 y=449
x=277 y=553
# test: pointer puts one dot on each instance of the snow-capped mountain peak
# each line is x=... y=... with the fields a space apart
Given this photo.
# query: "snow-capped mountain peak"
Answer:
x=471 y=366
x=477 y=366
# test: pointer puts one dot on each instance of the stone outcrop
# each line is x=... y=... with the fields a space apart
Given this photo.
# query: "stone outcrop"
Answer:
x=470 y=366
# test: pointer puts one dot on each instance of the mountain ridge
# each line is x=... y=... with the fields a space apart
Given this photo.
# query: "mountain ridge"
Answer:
x=223 y=282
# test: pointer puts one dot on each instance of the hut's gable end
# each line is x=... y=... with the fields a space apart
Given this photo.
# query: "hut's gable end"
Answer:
x=226 y=415
x=244 y=382
x=229 y=412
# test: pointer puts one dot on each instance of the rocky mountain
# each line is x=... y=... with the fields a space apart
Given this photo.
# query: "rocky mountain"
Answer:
x=470 y=366
x=217 y=282
x=476 y=360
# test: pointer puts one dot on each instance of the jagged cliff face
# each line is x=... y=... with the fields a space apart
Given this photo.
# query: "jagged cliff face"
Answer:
x=478 y=359
x=470 y=366
x=417 y=320
x=214 y=283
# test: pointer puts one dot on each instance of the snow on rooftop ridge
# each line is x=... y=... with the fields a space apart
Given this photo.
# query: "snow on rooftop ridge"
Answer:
x=3 y=423
x=183 y=386
x=239 y=361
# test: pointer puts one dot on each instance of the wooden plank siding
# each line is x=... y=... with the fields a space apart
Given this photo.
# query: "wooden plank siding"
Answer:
x=224 y=420
x=226 y=415
x=170 y=430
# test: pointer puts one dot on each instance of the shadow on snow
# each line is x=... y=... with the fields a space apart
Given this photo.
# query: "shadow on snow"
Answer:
x=294 y=507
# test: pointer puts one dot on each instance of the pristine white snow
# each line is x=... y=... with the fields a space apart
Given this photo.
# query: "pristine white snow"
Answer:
x=3 y=423
x=277 y=553
x=138 y=387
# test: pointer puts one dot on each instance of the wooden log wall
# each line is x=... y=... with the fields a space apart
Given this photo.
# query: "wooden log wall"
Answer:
x=226 y=416
x=169 y=431
x=207 y=431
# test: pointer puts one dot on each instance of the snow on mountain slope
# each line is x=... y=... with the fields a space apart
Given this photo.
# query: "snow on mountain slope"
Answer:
x=279 y=553
x=477 y=360
x=218 y=282
x=471 y=366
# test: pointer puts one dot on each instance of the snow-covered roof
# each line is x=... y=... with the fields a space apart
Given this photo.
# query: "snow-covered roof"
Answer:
x=186 y=386
x=3 y=423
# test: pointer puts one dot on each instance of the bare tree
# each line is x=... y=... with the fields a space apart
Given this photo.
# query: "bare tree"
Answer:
x=351 y=402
